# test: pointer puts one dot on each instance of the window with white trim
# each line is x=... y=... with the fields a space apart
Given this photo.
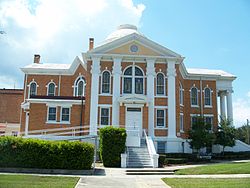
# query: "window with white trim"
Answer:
x=181 y=94
x=52 y=113
x=194 y=96
x=181 y=122
x=160 y=84
x=209 y=120
x=65 y=114
x=33 y=88
x=194 y=120
x=51 y=89
x=79 y=86
x=133 y=80
x=160 y=118
x=208 y=96
x=104 y=116
x=106 y=82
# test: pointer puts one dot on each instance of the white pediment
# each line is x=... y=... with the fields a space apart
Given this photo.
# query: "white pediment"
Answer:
x=146 y=47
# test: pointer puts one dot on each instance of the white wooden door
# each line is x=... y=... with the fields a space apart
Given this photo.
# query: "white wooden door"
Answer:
x=133 y=126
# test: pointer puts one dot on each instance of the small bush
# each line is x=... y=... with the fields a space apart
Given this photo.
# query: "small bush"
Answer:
x=112 y=144
x=33 y=153
x=161 y=160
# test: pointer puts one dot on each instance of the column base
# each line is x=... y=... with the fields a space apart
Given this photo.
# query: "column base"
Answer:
x=174 y=145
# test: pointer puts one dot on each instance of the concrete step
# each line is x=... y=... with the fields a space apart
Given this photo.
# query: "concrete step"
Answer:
x=150 y=173
x=155 y=171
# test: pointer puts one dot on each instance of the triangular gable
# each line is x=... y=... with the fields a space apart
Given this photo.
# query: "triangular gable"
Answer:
x=122 y=46
x=76 y=63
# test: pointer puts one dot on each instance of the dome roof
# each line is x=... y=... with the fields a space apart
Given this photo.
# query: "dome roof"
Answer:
x=122 y=31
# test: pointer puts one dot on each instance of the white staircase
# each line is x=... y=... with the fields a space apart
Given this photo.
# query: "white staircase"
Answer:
x=138 y=157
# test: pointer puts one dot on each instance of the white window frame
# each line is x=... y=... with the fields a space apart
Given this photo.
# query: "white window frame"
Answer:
x=33 y=81
x=100 y=116
x=211 y=116
x=51 y=121
x=181 y=122
x=65 y=122
x=197 y=97
x=51 y=82
x=75 y=87
x=181 y=95
x=191 y=116
x=164 y=86
x=133 y=80
x=208 y=106
x=164 y=118
x=110 y=75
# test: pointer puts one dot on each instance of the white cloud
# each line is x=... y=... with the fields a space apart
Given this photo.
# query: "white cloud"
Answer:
x=58 y=29
x=241 y=108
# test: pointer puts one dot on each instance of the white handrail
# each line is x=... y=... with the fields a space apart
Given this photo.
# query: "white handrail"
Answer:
x=151 y=150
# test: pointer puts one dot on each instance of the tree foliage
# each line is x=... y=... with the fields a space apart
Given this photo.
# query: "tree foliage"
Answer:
x=225 y=136
x=243 y=134
x=201 y=135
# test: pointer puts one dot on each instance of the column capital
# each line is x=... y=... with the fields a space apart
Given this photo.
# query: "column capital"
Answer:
x=117 y=66
x=171 y=71
x=150 y=60
x=150 y=66
x=95 y=67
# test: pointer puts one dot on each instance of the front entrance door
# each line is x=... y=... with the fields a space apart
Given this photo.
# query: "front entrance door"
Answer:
x=134 y=126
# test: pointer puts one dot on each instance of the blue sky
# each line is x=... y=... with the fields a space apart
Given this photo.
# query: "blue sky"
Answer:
x=209 y=34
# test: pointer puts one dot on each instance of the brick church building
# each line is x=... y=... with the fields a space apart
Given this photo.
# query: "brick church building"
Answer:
x=127 y=81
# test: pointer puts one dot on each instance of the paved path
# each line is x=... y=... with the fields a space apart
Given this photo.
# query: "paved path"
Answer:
x=116 y=177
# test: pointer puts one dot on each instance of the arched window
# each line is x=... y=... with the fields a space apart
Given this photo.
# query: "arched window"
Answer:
x=194 y=96
x=51 y=89
x=160 y=84
x=79 y=86
x=207 y=97
x=133 y=80
x=33 y=88
x=181 y=95
x=106 y=82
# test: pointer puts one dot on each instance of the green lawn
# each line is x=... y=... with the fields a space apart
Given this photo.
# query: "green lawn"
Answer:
x=207 y=183
x=228 y=168
x=28 y=181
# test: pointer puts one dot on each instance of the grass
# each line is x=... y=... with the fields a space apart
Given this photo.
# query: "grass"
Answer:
x=207 y=183
x=30 y=181
x=228 y=168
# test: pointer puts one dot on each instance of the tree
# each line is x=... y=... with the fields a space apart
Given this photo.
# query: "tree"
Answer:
x=243 y=133
x=225 y=136
x=201 y=135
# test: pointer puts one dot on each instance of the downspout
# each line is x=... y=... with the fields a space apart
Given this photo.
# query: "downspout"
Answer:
x=59 y=85
x=201 y=102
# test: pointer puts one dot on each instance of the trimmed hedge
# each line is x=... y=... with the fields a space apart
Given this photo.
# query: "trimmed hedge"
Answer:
x=34 y=153
x=112 y=144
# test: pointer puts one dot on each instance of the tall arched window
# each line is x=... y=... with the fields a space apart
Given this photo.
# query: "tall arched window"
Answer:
x=207 y=96
x=51 y=89
x=33 y=88
x=133 y=80
x=194 y=96
x=79 y=86
x=106 y=82
x=181 y=95
x=160 y=84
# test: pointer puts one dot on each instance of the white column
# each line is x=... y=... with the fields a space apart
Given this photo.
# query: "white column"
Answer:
x=222 y=105
x=230 y=107
x=150 y=95
x=171 y=73
x=116 y=91
x=95 y=72
x=26 y=131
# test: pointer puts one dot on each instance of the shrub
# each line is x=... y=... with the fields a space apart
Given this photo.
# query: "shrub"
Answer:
x=33 y=153
x=161 y=160
x=112 y=144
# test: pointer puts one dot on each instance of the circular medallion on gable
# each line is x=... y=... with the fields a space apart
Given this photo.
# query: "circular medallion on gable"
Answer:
x=134 y=48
